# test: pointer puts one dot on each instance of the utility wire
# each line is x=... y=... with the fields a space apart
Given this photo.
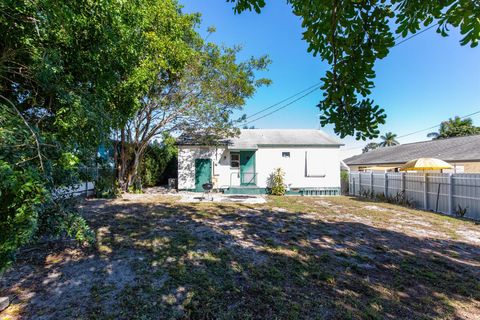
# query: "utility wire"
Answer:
x=436 y=126
x=422 y=130
x=282 y=107
x=317 y=84
x=415 y=34
x=284 y=100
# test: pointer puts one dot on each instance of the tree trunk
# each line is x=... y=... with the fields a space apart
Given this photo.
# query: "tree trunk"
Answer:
x=133 y=172
x=123 y=161
x=116 y=165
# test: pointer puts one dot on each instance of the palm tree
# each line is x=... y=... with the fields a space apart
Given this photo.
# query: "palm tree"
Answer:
x=455 y=127
x=388 y=140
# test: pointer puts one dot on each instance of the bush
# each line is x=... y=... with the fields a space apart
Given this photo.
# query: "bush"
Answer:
x=344 y=181
x=106 y=184
x=159 y=163
x=277 y=182
x=21 y=196
x=60 y=219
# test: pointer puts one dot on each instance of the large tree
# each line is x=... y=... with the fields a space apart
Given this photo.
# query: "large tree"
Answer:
x=455 y=127
x=197 y=100
x=70 y=72
x=352 y=35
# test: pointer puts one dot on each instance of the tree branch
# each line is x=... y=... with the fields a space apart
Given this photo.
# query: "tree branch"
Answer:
x=37 y=142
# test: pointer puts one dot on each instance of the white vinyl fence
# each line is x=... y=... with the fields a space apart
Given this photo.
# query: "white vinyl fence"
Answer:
x=441 y=192
x=81 y=189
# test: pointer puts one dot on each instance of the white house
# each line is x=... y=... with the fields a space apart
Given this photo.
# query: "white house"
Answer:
x=309 y=158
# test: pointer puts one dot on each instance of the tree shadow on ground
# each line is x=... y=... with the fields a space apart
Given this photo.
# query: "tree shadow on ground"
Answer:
x=209 y=261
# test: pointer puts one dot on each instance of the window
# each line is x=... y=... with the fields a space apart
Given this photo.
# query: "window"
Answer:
x=285 y=154
x=235 y=160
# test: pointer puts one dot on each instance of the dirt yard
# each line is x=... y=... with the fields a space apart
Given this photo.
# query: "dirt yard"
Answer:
x=290 y=258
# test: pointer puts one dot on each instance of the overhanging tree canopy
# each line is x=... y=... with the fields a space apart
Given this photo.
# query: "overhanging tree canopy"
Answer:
x=352 y=34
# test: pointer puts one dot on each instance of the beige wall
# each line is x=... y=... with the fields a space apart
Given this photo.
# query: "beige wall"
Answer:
x=472 y=167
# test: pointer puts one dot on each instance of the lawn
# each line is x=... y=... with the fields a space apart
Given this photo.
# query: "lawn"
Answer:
x=291 y=258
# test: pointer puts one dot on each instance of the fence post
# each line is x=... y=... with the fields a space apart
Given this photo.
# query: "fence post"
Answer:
x=450 y=193
x=359 y=183
x=371 y=183
x=403 y=182
x=425 y=192
x=386 y=185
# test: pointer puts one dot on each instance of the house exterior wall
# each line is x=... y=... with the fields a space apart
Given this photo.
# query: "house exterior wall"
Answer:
x=327 y=161
x=220 y=166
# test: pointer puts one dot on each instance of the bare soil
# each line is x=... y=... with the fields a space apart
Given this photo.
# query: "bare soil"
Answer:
x=290 y=258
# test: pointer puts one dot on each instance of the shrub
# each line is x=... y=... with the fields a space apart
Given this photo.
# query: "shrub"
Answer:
x=344 y=181
x=460 y=211
x=159 y=163
x=106 y=184
x=60 y=219
x=277 y=182
x=21 y=195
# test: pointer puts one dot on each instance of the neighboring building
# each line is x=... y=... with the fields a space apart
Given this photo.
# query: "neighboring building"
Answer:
x=463 y=153
x=309 y=158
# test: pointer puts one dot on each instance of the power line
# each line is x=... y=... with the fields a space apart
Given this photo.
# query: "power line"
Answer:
x=436 y=126
x=282 y=107
x=282 y=101
x=317 y=84
x=422 y=130
x=414 y=35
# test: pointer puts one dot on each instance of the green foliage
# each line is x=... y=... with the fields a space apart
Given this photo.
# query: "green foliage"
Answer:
x=455 y=127
x=352 y=35
x=221 y=83
x=159 y=163
x=460 y=211
x=70 y=72
x=344 y=179
x=399 y=198
x=73 y=72
x=60 y=219
x=277 y=182
x=388 y=140
x=106 y=184
x=21 y=195
x=370 y=146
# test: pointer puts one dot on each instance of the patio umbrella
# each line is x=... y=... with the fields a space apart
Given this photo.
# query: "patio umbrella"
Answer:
x=424 y=164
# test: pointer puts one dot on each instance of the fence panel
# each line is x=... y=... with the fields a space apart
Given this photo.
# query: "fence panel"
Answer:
x=354 y=186
x=414 y=189
x=466 y=194
x=440 y=192
x=378 y=183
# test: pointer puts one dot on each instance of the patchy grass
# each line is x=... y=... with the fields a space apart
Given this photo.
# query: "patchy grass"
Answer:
x=293 y=257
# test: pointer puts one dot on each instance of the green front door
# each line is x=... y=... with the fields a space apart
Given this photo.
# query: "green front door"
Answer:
x=203 y=173
x=247 y=168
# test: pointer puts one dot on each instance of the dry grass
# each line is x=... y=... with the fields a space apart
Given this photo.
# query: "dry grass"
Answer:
x=293 y=257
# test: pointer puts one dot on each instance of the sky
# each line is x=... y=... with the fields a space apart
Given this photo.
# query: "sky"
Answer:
x=422 y=82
